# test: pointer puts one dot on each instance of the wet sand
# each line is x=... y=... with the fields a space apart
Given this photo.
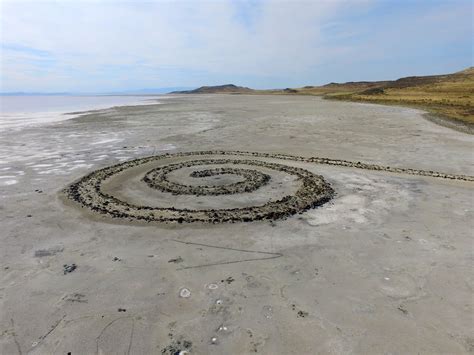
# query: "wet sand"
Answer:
x=383 y=267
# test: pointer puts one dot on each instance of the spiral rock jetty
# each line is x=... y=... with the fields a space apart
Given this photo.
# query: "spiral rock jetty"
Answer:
x=247 y=177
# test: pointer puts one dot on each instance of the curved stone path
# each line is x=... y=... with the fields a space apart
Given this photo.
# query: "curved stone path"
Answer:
x=157 y=178
x=313 y=190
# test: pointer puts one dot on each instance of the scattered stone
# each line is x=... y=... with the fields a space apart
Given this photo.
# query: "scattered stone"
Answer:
x=184 y=293
x=302 y=314
x=67 y=269
x=469 y=344
x=76 y=297
x=229 y=280
x=116 y=259
x=214 y=340
x=267 y=312
x=48 y=252
x=402 y=309
x=250 y=333
x=178 y=347
x=122 y=310
x=176 y=260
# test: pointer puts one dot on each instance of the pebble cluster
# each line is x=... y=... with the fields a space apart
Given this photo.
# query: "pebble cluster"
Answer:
x=313 y=189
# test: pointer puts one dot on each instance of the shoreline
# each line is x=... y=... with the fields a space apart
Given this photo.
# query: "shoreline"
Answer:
x=430 y=115
x=17 y=120
x=448 y=122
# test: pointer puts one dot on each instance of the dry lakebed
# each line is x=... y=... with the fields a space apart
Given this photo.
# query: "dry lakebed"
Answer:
x=237 y=224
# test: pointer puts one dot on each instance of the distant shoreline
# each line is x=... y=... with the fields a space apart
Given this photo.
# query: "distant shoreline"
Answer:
x=17 y=112
x=450 y=97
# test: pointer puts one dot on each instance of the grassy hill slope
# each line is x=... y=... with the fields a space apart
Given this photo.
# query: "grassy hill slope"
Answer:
x=221 y=89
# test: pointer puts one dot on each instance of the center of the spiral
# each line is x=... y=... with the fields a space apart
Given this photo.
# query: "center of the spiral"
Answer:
x=212 y=177
x=250 y=179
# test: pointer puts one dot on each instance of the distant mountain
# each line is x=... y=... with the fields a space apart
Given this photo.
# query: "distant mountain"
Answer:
x=220 y=89
x=149 y=91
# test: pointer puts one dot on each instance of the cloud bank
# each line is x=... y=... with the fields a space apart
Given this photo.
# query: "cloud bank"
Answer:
x=110 y=45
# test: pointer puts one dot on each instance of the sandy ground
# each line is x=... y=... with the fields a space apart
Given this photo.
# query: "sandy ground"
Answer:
x=383 y=268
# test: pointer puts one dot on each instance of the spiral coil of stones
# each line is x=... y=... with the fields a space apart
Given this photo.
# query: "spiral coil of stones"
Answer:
x=313 y=190
x=157 y=178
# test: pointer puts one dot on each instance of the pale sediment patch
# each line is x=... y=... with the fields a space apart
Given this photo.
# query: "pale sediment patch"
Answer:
x=39 y=166
x=347 y=209
x=8 y=182
x=107 y=140
x=362 y=200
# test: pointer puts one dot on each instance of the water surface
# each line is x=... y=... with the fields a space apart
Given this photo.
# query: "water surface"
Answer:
x=19 y=111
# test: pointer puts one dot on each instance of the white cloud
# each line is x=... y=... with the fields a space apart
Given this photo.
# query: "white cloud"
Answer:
x=106 y=44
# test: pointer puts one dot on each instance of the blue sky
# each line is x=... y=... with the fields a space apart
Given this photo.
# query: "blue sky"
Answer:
x=99 y=46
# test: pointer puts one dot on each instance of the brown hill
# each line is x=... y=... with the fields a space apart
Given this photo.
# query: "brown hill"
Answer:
x=220 y=89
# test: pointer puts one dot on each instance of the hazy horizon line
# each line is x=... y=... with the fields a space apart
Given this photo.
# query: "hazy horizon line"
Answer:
x=163 y=90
